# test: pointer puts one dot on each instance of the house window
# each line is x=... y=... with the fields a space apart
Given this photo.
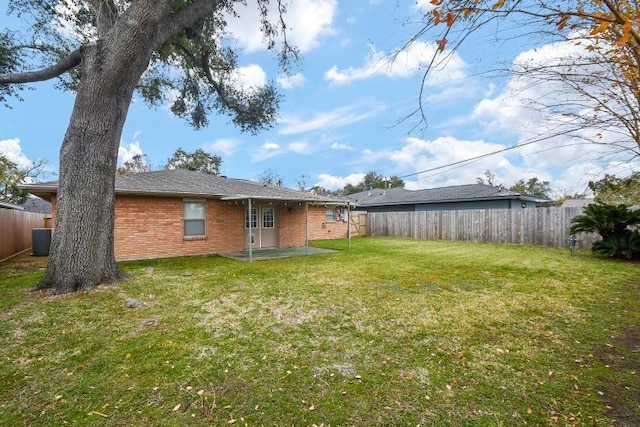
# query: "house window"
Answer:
x=251 y=218
x=194 y=218
x=268 y=220
x=330 y=215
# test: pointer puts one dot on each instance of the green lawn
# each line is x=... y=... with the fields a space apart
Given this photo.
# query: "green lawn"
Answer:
x=392 y=332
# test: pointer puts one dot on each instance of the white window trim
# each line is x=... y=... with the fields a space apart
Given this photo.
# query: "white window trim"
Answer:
x=326 y=216
x=204 y=219
x=273 y=218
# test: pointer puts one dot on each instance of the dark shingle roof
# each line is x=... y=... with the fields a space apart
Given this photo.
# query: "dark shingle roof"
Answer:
x=185 y=183
x=7 y=205
x=458 y=193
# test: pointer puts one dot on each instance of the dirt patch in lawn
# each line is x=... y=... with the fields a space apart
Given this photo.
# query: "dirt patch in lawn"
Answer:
x=22 y=264
x=622 y=400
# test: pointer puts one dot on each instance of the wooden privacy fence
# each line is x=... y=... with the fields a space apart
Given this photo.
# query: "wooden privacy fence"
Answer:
x=540 y=226
x=359 y=226
x=15 y=231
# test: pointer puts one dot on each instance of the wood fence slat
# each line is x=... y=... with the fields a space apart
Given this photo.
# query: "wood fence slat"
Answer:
x=539 y=226
x=16 y=230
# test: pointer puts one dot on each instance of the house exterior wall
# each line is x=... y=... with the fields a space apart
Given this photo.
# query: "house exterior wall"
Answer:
x=153 y=227
x=390 y=208
x=320 y=228
x=480 y=204
x=291 y=225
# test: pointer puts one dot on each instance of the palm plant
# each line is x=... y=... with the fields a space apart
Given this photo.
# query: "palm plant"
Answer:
x=605 y=219
x=615 y=224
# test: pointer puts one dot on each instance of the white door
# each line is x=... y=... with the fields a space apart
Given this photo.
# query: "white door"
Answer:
x=268 y=231
x=260 y=227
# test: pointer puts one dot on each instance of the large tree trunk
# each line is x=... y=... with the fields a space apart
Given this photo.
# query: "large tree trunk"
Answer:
x=82 y=248
x=82 y=251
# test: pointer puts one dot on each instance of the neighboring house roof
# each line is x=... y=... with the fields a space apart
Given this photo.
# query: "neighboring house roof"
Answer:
x=186 y=183
x=6 y=205
x=576 y=203
x=37 y=205
x=458 y=193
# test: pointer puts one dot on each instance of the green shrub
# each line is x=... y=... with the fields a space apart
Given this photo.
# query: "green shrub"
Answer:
x=614 y=223
x=626 y=245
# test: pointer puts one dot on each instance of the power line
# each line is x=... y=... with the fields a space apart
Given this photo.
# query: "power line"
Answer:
x=482 y=156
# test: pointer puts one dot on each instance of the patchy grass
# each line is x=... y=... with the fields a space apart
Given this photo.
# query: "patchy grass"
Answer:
x=392 y=332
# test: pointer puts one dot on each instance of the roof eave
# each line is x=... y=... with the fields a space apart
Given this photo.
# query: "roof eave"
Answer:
x=466 y=199
x=48 y=190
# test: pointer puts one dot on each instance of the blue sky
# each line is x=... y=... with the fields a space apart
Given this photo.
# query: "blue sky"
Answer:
x=343 y=110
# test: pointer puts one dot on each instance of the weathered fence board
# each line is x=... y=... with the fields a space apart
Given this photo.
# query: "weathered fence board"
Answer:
x=15 y=231
x=540 y=226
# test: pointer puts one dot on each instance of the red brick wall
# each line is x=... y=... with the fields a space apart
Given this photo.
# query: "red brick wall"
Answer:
x=291 y=225
x=320 y=228
x=152 y=227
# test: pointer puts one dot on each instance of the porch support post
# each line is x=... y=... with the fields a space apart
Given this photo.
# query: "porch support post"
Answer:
x=249 y=242
x=349 y=224
x=306 y=228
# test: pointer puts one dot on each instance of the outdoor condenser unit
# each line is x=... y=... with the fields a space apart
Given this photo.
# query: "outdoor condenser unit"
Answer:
x=41 y=241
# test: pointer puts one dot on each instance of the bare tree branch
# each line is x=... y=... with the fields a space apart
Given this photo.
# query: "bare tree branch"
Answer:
x=64 y=65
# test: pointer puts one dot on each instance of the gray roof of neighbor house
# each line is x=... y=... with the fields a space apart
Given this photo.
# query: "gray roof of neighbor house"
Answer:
x=186 y=183
x=7 y=205
x=458 y=193
x=577 y=203
x=37 y=205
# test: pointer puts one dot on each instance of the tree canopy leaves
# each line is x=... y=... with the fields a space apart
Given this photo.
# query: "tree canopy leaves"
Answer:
x=193 y=69
x=199 y=160
x=12 y=176
x=137 y=164
x=373 y=180
x=615 y=190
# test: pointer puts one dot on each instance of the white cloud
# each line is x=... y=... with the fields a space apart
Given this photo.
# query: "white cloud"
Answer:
x=525 y=109
x=424 y=6
x=293 y=81
x=340 y=146
x=331 y=182
x=126 y=152
x=307 y=22
x=339 y=117
x=250 y=77
x=224 y=146
x=406 y=63
x=11 y=149
x=266 y=151
x=437 y=158
x=300 y=147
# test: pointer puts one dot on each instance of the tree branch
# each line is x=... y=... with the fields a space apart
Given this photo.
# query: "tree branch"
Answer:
x=64 y=65
x=185 y=17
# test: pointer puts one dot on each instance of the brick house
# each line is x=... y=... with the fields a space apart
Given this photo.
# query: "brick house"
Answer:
x=179 y=213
